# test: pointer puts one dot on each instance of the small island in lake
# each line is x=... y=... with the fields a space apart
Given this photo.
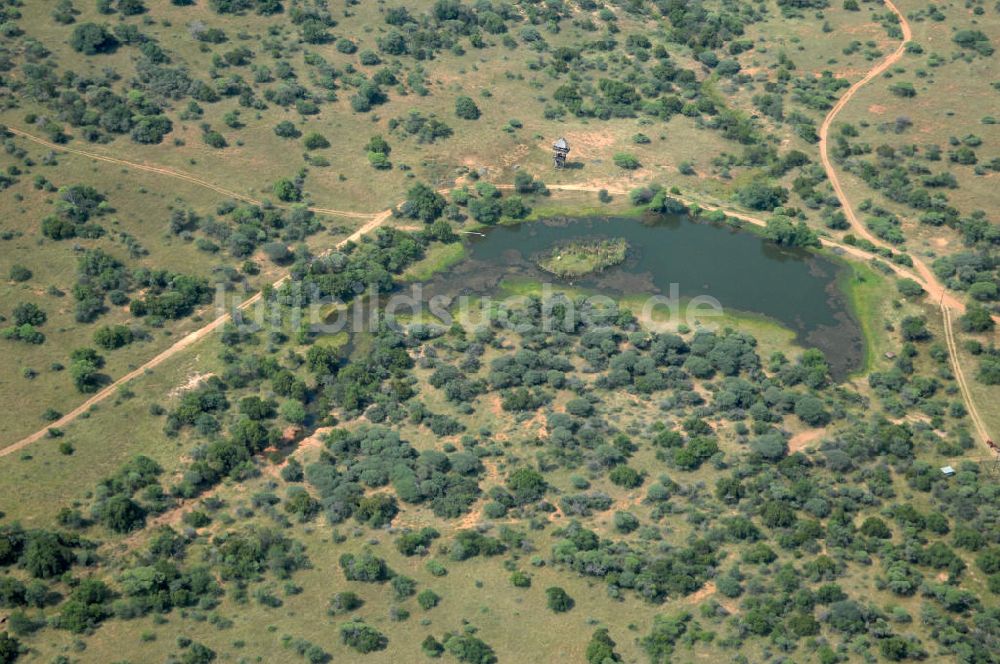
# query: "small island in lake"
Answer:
x=578 y=258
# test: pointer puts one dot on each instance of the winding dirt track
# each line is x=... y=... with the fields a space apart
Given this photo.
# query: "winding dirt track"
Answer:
x=824 y=129
x=374 y=221
x=932 y=285
x=930 y=282
x=926 y=277
x=848 y=249
x=174 y=173
x=949 y=338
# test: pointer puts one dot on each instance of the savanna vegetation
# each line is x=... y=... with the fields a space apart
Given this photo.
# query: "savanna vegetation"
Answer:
x=540 y=480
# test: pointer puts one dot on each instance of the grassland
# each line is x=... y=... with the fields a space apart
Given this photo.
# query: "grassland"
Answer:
x=817 y=463
x=437 y=260
x=933 y=116
x=578 y=259
x=140 y=203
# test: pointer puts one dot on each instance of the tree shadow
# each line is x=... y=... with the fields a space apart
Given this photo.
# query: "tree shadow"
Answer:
x=102 y=380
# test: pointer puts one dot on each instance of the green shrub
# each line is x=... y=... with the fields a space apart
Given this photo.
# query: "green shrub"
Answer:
x=466 y=109
x=428 y=599
x=91 y=39
x=627 y=161
x=362 y=637
x=315 y=141
x=558 y=600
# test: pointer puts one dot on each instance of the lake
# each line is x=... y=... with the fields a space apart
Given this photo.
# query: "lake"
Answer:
x=744 y=272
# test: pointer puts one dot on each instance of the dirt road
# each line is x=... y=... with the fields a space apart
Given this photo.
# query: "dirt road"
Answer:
x=824 y=129
x=928 y=279
x=963 y=385
x=374 y=221
x=173 y=173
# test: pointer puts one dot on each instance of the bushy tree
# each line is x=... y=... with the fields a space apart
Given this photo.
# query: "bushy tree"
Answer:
x=771 y=446
x=627 y=161
x=520 y=579
x=625 y=476
x=428 y=599
x=558 y=600
x=875 y=527
x=10 y=648
x=989 y=370
x=58 y=228
x=214 y=139
x=486 y=210
x=287 y=129
x=469 y=649
x=909 y=288
x=278 y=252
x=379 y=161
x=846 y=616
x=527 y=485
x=601 y=649
x=112 y=337
x=46 y=556
x=150 y=129
x=91 y=39
x=914 y=328
x=362 y=637
x=376 y=510
x=975 y=40
x=410 y=544
x=423 y=203
x=432 y=647
x=84 y=368
x=782 y=230
x=466 y=109
x=294 y=412
x=19 y=273
x=976 y=319
x=664 y=634
x=29 y=313
x=315 y=141
x=345 y=602
x=364 y=567
x=810 y=410
x=121 y=514
x=759 y=195
x=198 y=653
x=625 y=522
x=524 y=183
x=287 y=191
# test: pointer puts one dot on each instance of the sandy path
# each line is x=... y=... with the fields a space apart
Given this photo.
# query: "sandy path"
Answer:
x=192 y=338
x=373 y=223
x=824 y=129
x=926 y=277
x=949 y=337
x=848 y=249
x=103 y=394
x=929 y=280
x=173 y=173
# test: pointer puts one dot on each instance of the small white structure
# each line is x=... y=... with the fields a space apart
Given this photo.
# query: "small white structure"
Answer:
x=560 y=149
x=948 y=471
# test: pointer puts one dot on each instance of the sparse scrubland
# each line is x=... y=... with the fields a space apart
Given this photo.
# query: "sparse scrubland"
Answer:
x=551 y=480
